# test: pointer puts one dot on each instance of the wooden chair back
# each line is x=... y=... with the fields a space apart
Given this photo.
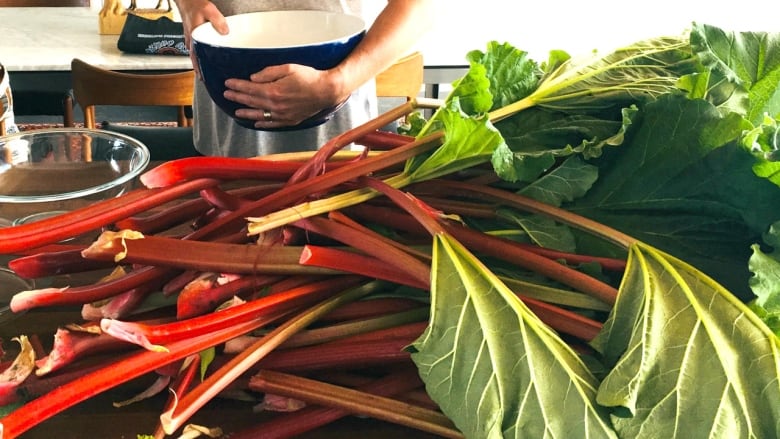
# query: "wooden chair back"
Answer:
x=403 y=79
x=94 y=86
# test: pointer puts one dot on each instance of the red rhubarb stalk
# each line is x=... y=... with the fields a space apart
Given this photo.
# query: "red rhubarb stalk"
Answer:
x=121 y=371
x=350 y=262
x=296 y=423
x=45 y=264
x=190 y=403
x=221 y=199
x=360 y=326
x=121 y=305
x=80 y=295
x=69 y=346
x=193 y=302
x=293 y=193
x=479 y=241
x=316 y=164
x=369 y=243
x=380 y=140
x=355 y=402
x=183 y=383
x=92 y=217
x=507 y=250
x=273 y=306
x=534 y=206
x=340 y=355
x=564 y=321
x=221 y=168
x=399 y=219
x=199 y=255
x=166 y=218
x=338 y=216
x=372 y=307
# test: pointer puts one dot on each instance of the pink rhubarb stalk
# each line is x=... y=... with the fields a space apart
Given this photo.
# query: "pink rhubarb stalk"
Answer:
x=269 y=308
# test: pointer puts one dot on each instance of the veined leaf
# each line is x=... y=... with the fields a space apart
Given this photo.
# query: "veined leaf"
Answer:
x=542 y=231
x=565 y=183
x=513 y=74
x=766 y=271
x=493 y=367
x=680 y=184
x=687 y=350
x=469 y=142
x=749 y=60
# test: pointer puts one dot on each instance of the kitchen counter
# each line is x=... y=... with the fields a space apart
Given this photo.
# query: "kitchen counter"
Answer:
x=38 y=44
x=47 y=39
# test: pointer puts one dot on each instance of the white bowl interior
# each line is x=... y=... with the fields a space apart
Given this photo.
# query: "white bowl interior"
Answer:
x=275 y=29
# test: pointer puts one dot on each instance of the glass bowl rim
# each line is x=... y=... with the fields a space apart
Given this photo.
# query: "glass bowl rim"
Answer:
x=142 y=149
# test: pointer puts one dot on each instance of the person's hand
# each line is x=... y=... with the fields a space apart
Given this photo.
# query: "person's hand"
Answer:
x=194 y=13
x=285 y=95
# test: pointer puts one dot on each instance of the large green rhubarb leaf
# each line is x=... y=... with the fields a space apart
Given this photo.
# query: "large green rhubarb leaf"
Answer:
x=494 y=368
x=690 y=360
x=750 y=60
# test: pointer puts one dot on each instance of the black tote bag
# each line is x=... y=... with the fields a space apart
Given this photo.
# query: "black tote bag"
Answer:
x=157 y=35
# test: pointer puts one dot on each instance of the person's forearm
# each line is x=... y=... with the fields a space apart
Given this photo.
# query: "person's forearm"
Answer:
x=394 y=32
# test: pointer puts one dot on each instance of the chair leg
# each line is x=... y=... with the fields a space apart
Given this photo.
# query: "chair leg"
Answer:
x=67 y=110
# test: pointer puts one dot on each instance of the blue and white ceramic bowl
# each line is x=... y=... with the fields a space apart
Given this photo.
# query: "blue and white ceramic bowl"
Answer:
x=318 y=39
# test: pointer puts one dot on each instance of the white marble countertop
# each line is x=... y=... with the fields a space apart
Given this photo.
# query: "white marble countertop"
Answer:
x=43 y=40
x=47 y=39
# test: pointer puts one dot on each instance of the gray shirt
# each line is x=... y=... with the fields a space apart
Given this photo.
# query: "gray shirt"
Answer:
x=216 y=133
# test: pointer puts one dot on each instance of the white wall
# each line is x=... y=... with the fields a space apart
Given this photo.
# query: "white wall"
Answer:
x=578 y=26
x=575 y=26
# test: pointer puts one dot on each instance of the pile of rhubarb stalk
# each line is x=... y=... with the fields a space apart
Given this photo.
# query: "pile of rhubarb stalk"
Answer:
x=315 y=311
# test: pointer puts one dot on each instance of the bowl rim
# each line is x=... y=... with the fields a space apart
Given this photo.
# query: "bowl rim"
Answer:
x=144 y=155
x=199 y=29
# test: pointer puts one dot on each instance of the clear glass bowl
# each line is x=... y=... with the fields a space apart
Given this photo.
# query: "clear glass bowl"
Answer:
x=47 y=171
